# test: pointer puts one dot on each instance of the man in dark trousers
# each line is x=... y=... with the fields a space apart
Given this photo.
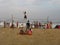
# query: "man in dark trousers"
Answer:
x=28 y=25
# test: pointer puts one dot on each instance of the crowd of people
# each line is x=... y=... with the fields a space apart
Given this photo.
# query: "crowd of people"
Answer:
x=28 y=27
x=40 y=25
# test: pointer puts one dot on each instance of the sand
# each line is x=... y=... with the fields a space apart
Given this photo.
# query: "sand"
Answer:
x=39 y=37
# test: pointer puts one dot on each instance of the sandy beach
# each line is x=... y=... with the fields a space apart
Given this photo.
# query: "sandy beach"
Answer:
x=39 y=37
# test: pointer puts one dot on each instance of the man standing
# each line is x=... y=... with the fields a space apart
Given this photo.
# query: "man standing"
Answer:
x=28 y=25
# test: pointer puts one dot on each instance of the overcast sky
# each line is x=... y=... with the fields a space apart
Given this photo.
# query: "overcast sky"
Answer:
x=36 y=9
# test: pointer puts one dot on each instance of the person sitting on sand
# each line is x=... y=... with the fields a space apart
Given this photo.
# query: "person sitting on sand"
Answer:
x=29 y=32
x=21 y=31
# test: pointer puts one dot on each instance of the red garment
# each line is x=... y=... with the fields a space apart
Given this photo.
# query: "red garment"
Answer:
x=29 y=32
x=59 y=27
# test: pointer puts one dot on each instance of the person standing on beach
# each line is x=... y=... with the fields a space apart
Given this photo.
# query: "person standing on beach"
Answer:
x=28 y=25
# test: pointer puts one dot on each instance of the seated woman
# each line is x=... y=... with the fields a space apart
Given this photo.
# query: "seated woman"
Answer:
x=29 y=32
x=21 y=31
